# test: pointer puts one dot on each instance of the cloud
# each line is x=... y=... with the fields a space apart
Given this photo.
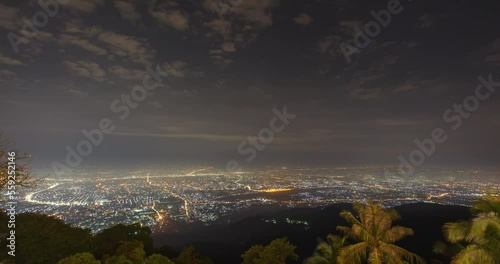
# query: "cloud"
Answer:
x=330 y=44
x=216 y=52
x=221 y=27
x=220 y=60
x=323 y=70
x=228 y=47
x=174 y=19
x=493 y=58
x=77 y=28
x=365 y=94
x=345 y=30
x=391 y=59
x=86 y=6
x=65 y=39
x=201 y=136
x=425 y=21
x=179 y=69
x=131 y=48
x=241 y=25
x=87 y=69
x=155 y=104
x=407 y=86
x=257 y=12
x=81 y=36
x=367 y=84
x=395 y=122
x=303 y=19
x=411 y=44
x=127 y=74
x=78 y=93
x=217 y=57
x=176 y=69
x=347 y=27
x=167 y=14
x=325 y=43
x=45 y=36
x=9 y=17
x=6 y=75
x=197 y=74
x=491 y=53
x=127 y=10
x=9 y=61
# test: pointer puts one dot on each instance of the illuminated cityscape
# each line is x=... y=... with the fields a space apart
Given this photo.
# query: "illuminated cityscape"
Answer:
x=160 y=199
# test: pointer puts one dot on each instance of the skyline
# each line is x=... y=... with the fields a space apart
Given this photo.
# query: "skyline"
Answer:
x=165 y=200
x=222 y=81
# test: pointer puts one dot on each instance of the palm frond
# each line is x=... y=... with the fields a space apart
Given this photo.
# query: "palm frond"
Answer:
x=473 y=254
x=456 y=232
x=397 y=253
x=353 y=254
x=396 y=233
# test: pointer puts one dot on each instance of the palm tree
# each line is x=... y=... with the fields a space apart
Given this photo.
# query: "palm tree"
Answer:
x=327 y=252
x=372 y=229
x=476 y=241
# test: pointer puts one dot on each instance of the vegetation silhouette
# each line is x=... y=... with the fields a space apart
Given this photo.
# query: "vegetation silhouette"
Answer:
x=23 y=175
x=476 y=240
x=371 y=227
x=278 y=251
x=327 y=252
x=44 y=239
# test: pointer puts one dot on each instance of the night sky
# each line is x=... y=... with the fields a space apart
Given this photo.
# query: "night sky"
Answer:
x=223 y=78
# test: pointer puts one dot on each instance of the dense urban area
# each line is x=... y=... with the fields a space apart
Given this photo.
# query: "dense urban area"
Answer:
x=159 y=198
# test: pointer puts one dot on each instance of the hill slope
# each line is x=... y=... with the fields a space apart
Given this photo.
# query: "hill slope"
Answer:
x=225 y=243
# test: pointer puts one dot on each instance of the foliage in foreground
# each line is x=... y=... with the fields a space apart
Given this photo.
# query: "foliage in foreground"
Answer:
x=477 y=240
x=80 y=258
x=277 y=252
x=371 y=228
x=189 y=256
x=44 y=239
x=327 y=252
x=109 y=240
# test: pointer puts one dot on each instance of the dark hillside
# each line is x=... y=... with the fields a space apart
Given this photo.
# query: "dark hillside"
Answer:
x=225 y=243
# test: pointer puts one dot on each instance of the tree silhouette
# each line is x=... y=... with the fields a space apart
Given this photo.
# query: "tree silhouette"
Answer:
x=118 y=260
x=372 y=229
x=23 y=176
x=327 y=252
x=277 y=252
x=158 y=259
x=44 y=239
x=475 y=241
x=132 y=250
x=189 y=255
x=80 y=258
x=108 y=241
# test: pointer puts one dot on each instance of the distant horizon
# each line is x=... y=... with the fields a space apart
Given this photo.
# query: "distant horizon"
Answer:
x=149 y=165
